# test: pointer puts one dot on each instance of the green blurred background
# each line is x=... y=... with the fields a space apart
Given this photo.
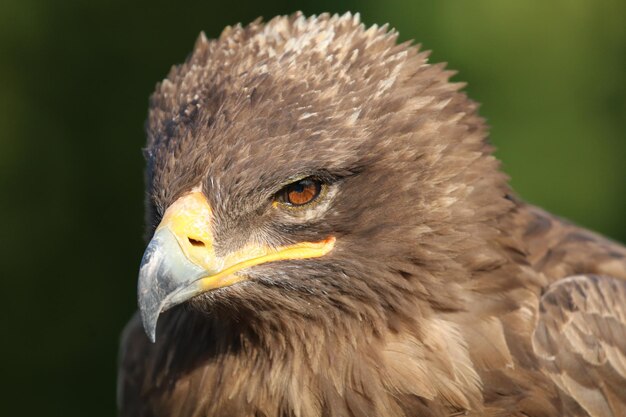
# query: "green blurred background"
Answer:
x=74 y=83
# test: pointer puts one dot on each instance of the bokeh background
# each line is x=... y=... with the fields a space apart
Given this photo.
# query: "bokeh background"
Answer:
x=75 y=77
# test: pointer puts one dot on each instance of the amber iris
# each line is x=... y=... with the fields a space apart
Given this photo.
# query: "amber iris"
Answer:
x=301 y=192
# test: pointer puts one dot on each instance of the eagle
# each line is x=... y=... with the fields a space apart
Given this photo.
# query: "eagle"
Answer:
x=330 y=235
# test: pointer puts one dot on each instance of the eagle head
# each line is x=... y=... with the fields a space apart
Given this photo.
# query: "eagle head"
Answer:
x=312 y=169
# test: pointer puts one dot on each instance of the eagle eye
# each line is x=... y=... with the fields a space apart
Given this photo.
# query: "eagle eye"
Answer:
x=300 y=193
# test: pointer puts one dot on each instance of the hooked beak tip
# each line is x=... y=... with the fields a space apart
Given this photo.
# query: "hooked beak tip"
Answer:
x=166 y=278
x=149 y=318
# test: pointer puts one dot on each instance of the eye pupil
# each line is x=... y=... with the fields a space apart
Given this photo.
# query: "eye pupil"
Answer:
x=302 y=192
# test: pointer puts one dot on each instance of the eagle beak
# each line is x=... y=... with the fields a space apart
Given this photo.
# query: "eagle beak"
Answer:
x=180 y=262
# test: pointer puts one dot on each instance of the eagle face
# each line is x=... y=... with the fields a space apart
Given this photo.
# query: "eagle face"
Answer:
x=304 y=179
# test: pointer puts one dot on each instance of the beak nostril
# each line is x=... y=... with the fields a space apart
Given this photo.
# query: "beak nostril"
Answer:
x=195 y=242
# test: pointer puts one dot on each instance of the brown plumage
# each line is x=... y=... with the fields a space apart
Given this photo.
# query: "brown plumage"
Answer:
x=443 y=293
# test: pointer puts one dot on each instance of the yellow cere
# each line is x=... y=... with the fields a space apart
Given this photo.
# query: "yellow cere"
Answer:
x=189 y=218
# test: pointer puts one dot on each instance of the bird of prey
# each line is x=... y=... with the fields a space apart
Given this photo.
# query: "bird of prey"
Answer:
x=330 y=235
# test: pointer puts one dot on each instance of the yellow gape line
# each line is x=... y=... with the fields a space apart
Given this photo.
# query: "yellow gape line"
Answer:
x=250 y=256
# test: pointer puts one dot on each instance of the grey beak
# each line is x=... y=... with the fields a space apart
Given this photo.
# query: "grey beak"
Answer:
x=166 y=278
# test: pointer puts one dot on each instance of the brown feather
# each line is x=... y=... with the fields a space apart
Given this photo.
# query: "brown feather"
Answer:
x=580 y=340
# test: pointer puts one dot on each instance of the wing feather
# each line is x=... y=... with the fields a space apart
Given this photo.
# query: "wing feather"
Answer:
x=580 y=340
